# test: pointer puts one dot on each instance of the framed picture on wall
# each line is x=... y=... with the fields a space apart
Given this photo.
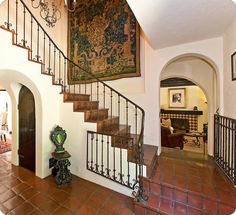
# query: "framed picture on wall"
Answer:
x=177 y=97
x=233 y=66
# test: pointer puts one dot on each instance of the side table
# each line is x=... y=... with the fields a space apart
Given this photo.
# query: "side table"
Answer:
x=63 y=175
x=196 y=141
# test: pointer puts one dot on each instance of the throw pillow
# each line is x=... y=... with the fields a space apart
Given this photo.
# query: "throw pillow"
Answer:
x=171 y=129
x=166 y=122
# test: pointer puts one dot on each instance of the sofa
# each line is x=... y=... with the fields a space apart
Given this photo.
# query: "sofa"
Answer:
x=171 y=140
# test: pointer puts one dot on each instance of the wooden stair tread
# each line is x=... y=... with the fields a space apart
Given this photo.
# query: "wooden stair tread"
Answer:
x=86 y=101
x=93 y=110
x=71 y=97
x=101 y=120
x=150 y=152
x=116 y=131
x=78 y=94
x=86 y=105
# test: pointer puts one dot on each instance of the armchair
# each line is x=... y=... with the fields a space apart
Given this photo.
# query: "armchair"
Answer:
x=171 y=140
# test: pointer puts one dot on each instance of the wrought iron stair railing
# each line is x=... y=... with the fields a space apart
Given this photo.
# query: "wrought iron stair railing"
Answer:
x=29 y=33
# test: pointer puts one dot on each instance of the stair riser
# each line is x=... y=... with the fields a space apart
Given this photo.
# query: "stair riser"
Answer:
x=189 y=201
x=125 y=132
x=85 y=105
x=119 y=142
x=95 y=115
x=151 y=187
x=150 y=169
x=133 y=153
x=75 y=97
x=208 y=208
x=107 y=125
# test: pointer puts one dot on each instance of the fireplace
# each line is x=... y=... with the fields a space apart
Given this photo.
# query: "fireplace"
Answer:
x=180 y=124
x=189 y=115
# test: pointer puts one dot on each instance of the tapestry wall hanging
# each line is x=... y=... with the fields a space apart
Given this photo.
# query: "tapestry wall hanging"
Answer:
x=103 y=38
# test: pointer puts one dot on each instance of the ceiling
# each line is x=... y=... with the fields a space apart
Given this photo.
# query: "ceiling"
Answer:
x=176 y=82
x=172 y=22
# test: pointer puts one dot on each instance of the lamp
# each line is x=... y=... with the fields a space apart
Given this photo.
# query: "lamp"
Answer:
x=51 y=14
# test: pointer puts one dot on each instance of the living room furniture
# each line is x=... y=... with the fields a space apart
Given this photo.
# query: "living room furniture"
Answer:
x=61 y=157
x=196 y=138
x=205 y=130
x=3 y=126
x=171 y=140
x=3 y=136
x=63 y=175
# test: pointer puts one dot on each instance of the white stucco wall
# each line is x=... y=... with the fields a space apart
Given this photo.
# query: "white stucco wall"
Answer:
x=144 y=90
x=202 y=74
x=15 y=70
x=76 y=145
x=57 y=32
x=229 y=85
x=154 y=62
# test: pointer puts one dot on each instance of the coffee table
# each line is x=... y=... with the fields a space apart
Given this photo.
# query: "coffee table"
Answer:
x=196 y=135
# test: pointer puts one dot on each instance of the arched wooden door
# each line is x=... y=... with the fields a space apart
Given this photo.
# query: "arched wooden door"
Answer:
x=26 y=129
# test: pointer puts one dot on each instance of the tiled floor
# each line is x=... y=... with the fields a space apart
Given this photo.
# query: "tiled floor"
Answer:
x=187 y=183
x=183 y=183
x=22 y=193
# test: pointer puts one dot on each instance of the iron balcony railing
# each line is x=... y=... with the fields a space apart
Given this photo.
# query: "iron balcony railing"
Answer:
x=225 y=145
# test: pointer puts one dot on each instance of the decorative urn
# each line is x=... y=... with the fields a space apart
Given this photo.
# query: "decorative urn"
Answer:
x=58 y=137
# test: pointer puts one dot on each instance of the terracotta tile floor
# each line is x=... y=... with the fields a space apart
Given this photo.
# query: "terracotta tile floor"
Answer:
x=193 y=171
x=187 y=181
x=22 y=193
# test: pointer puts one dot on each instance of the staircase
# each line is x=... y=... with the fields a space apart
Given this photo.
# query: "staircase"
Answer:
x=115 y=150
x=123 y=151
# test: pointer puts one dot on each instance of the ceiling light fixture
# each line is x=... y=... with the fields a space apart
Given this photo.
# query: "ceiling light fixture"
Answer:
x=234 y=1
x=51 y=14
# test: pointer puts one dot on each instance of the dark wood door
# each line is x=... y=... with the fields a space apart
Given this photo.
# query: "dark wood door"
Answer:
x=26 y=129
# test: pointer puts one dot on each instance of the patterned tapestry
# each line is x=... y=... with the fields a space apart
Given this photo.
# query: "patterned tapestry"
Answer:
x=104 y=39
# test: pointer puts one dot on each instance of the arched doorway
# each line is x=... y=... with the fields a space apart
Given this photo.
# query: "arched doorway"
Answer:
x=184 y=106
x=5 y=121
x=26 y=129
x=203 y=74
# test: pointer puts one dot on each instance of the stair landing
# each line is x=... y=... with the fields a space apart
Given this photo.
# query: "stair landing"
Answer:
x=187 y=184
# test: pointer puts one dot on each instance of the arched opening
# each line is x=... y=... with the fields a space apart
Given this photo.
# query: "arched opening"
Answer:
x=202 y=73
x=184 y=109
x=5 y=121
x=13 y=83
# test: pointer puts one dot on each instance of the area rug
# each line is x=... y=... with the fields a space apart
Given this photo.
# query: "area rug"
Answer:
x=190 y=146
x=4 y=147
